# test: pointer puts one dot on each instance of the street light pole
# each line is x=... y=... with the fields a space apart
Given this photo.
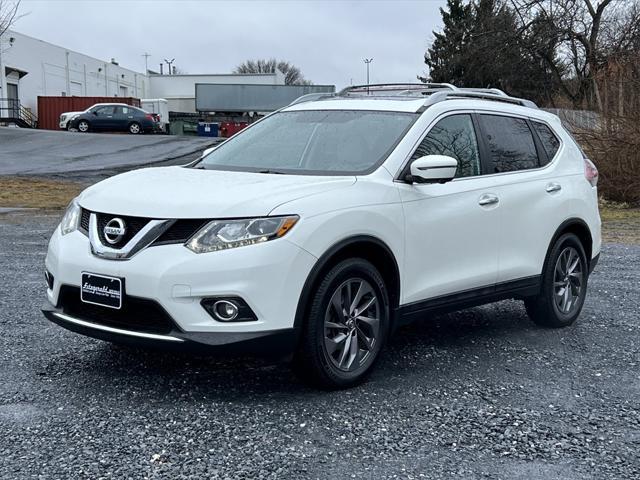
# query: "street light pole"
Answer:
x=368 y=61
x=169 y=62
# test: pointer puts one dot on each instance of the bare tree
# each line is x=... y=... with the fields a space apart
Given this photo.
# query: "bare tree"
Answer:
x=575 y=39
x=292 y=74
x=8 y=14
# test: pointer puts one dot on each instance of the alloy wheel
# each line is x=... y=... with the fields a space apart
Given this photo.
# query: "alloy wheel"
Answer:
x=568 y=280
x=83 y=127
x=134 y=128
x=352 y=325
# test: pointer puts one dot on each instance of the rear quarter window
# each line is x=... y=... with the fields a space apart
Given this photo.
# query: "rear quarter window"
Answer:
x=549 y=141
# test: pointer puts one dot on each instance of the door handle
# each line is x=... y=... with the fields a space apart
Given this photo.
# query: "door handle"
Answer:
x=488 y=199
x=553 y=187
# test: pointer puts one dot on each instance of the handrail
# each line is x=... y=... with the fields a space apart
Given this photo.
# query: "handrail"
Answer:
x=15 y=111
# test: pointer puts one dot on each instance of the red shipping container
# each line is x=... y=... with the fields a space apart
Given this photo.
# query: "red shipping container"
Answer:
x=50 y=108
x=228 y=129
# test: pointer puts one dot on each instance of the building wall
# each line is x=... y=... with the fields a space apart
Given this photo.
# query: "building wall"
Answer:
x=54 y=70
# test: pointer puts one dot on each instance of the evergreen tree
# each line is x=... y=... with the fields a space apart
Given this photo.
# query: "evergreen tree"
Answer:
x=446 y=56
x=481 y=46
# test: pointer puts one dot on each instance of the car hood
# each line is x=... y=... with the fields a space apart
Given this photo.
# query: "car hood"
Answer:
x=70 y=114
x=178 y=192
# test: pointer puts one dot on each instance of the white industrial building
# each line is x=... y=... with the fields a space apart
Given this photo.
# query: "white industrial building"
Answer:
x=30 y=68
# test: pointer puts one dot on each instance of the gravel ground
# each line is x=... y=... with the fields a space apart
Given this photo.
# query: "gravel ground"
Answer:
x=476 y=394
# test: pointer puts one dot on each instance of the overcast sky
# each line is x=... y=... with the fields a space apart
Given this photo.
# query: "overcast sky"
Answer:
x=326 y=39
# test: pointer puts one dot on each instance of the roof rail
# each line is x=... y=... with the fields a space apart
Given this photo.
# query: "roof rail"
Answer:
x=311 y=97
x=495 y=91
x=396 y=87
x=438 y=97
x=435 y=92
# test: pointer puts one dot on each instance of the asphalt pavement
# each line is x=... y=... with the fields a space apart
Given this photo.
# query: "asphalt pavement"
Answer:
x=477 y=394
x=45 y=152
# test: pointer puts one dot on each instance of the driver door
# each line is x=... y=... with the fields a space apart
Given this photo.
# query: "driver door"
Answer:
x=451 y=230
x=103 y=118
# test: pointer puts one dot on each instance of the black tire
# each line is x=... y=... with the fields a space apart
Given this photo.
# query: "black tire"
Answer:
x=313 y=362
x=83 y=126
x=135 y=128
x=547 y=309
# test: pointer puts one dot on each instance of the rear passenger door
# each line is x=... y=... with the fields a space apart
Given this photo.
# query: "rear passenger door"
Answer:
x=519 y=158
x=123 y=116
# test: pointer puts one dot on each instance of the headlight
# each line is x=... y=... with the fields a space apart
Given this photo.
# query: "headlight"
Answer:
x=71 y=218
x=224 y=234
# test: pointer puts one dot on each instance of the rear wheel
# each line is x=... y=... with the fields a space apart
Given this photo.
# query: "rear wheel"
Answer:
x=83 y=126
x=135 y=128
x=347 y=326
x=564 y=285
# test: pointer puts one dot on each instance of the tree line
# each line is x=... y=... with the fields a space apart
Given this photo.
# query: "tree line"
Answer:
x=556 y=52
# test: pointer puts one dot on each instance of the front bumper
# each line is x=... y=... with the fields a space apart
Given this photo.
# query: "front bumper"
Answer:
x=269 y=277
x=277 y=342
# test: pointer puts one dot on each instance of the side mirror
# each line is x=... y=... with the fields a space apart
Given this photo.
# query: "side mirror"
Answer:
x=433 y=169
x=95 y=112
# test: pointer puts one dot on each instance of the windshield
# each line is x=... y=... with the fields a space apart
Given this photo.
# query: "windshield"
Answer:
x=313 y=142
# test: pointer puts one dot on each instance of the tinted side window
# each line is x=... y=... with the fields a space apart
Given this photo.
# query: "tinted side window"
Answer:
x=510 y=143
x=105 y=111
x=455 y=137
x=549 y=141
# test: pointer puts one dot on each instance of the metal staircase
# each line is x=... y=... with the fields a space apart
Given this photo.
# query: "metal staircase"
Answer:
x=12 y=112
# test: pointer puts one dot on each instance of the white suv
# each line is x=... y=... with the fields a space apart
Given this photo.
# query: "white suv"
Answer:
x=327 y=224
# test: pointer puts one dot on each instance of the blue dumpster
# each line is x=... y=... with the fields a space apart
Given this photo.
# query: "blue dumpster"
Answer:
x=207 y=129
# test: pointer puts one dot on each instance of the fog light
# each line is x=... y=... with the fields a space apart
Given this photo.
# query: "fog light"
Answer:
x=228 y=309
x=225 y=310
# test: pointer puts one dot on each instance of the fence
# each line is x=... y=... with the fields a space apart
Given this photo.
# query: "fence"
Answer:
x=577 y=120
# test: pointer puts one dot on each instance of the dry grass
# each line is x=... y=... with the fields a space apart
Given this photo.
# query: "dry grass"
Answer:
x=620 y=223
x=37 y=193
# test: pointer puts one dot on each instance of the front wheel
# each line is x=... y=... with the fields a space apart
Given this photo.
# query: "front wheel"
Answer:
x=564 y=285
x=347 y=326
x=83 y=126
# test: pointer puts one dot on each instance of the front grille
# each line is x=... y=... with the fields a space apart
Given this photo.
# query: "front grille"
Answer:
x=180 y=231
x=132 y=226
x=136 y=314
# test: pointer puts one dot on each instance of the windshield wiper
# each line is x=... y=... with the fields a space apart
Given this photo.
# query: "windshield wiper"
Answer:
x=275 y=172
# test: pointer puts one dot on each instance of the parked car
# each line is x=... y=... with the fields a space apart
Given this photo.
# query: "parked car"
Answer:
x=321 y=228
x=114 y=117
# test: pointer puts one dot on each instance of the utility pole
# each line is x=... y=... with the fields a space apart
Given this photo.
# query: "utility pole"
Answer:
x=368 y=61
x=146 y=62
x=169 y=62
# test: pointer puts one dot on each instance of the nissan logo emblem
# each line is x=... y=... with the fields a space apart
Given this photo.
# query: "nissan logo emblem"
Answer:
x=114 y=230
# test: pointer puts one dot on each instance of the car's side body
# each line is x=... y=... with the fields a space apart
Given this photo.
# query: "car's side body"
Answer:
x=113 y=117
